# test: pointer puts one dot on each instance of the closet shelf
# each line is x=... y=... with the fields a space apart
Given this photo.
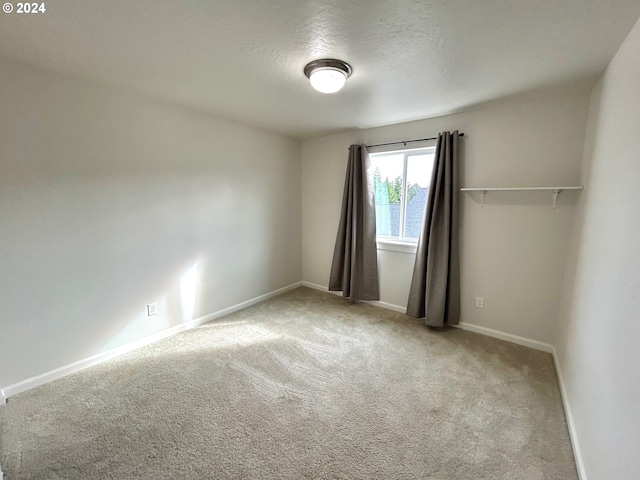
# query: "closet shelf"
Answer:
x=484 y=190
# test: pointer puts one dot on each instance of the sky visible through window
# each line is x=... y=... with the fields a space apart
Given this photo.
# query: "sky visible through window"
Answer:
x=390 y=166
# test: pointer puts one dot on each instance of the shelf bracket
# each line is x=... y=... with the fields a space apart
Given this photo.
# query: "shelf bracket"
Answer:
x=555 y=197
x=482 y=194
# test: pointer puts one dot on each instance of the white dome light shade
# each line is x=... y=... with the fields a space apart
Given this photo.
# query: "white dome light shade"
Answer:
x=327 y=75
x=327 y=80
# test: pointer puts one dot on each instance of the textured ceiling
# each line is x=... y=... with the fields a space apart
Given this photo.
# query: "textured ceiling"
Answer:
x=243 y=59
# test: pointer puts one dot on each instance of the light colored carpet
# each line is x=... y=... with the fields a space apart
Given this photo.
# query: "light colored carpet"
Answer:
x=301 y=386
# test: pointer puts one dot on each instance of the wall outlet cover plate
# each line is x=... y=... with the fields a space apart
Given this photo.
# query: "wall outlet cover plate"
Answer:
x=152 y=309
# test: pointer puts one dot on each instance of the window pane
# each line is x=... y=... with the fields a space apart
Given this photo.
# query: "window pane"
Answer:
x=387 y=175
x=419 y=170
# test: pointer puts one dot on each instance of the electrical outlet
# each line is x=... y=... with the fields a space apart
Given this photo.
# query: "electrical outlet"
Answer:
x=479 y=302
x=152 y=309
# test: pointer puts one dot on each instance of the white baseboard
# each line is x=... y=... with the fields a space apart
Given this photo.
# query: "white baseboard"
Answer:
x=388 y=306
x=545 y=347
x=377 y=303
x=490 y=332
x=573 y=434
x=74 y=367
x=315 y=286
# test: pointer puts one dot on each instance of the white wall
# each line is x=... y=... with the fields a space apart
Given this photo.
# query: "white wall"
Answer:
x=513 y=250
x=598 y=346
x=110 y=201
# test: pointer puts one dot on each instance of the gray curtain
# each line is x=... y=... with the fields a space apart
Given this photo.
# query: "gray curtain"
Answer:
x=354 y=269
x=435 y=286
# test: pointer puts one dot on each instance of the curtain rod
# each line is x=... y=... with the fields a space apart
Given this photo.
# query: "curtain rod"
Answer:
x=406 y=141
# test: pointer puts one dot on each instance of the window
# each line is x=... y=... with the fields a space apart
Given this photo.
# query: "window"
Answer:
x=401 y=181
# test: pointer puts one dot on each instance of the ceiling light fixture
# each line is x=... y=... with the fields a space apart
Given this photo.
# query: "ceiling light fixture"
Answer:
x=327 y=75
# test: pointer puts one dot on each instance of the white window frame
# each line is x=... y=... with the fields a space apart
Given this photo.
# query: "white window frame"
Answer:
x=402 y=244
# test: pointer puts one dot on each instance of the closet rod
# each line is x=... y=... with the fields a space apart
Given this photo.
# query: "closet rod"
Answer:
x=407 y=141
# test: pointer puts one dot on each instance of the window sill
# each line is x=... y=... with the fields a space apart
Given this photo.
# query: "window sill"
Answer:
x=395 y=246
